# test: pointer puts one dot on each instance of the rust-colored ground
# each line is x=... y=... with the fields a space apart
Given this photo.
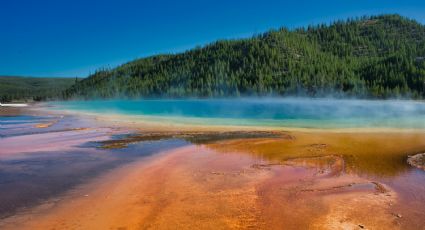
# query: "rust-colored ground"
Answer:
x=298 y=180
x=309 y=181
x=374 y=153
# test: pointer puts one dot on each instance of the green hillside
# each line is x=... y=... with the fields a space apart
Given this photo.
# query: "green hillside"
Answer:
x=31 y=88
x=379 y=56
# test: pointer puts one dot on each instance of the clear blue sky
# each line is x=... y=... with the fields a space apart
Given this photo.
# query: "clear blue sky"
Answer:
x=75 y=37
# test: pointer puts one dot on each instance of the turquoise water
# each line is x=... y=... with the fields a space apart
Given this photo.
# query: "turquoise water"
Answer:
x=289 y=112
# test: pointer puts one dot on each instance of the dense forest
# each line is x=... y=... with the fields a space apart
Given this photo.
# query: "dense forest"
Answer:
x=371 y=57
x=32 y=89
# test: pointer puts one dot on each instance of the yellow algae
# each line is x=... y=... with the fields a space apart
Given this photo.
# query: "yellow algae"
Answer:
x=224 y=185
x=46 y=125
x=371 y=153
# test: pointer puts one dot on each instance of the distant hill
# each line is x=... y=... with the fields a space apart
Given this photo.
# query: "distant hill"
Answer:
x=32 y=88
x=378 y=56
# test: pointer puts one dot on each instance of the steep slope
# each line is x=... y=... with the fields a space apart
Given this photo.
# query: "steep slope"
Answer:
x=379 y=56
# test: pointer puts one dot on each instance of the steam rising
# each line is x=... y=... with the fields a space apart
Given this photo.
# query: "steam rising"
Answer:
x=296 y=112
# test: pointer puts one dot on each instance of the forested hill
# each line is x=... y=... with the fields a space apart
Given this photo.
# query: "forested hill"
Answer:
x=32 y=88
x=378 y=56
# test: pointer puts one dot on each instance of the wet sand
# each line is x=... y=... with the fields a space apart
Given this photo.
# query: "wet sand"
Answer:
x=291 y=180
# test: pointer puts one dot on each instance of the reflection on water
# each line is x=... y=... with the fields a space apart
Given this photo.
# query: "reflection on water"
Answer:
x=26 y=124
x=33 y=177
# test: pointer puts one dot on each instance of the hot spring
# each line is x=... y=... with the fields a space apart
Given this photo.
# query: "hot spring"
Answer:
x=273 y=112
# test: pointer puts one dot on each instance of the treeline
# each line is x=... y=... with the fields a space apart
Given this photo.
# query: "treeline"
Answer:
x=379 y=56
x=33 y=89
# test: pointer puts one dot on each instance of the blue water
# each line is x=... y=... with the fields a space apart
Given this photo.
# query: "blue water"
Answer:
x=289 y=112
